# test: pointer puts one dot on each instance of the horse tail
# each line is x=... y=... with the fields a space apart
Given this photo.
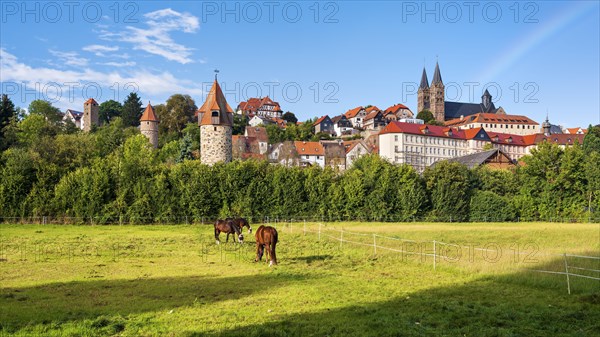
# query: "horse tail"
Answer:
x=273 y=244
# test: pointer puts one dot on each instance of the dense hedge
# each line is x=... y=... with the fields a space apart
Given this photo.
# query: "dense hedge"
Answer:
x=114 y=173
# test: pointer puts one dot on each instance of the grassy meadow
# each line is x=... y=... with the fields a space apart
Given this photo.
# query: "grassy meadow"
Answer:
x=65 y=280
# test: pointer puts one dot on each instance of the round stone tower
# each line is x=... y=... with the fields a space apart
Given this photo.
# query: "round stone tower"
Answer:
x=215 y=119
x=149 y=125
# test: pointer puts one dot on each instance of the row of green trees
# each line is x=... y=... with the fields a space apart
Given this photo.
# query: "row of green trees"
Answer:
x=113 y=172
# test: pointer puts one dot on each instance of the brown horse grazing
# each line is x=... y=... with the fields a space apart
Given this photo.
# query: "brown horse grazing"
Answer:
x=266 y=237
x=241 y=223
x=229 y=227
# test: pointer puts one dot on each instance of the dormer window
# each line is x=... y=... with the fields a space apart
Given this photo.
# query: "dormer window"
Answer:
x=215 y=117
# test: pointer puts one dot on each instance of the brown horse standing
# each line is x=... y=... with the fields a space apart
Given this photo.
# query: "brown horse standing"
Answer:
x=229 y=227
x=266 y=237
x=241 y=223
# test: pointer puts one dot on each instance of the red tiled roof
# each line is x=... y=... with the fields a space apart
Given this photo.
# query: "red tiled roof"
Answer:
x=506 y=138
x=560 y=139
x=258 y=132
x=351 y=144
x=419 y=129
x=254 y=104
x=372 y=115
x=353 y=112
x=575 y=130
x=371 y=109
x=309 y=148
x=320 y=120
x=91 y=101
x=491 y=118
x=149 y=114
x=395 y=108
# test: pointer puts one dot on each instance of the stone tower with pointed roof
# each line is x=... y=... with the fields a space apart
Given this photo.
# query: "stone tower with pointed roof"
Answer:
x=437 y=95
x=423 y=93
x=149 y=125
x=91 y=110
x=215 y=118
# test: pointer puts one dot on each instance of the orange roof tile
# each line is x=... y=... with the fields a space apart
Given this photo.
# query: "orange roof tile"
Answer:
x=353 y=112
x=91 y=101
x=395 y=108
x=491 y=118
x=215 y=100
x=320 y=120
x=149 y=114
x=309 y=148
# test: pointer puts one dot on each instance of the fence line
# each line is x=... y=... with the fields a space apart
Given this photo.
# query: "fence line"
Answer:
x=435 y=255
x=198 y=218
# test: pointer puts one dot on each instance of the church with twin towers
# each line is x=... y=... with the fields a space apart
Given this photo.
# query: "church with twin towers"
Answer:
x=432 y=98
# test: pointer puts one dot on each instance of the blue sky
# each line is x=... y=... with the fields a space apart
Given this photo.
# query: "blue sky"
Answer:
x=315 y=58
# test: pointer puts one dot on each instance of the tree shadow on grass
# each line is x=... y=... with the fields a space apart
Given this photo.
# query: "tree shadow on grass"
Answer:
x=79 y=300
x=505 y=305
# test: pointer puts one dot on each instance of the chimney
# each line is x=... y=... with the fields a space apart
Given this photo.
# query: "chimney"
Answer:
x=462 y=117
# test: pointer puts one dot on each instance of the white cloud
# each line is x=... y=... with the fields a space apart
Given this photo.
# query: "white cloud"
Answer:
x=149 y=83
x=70 y=58
x=100 y=50
x=155 y=38
x=119 y=64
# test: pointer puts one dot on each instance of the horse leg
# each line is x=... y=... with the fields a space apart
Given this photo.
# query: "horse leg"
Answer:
x=217 y=236
x=273 y=255
x=259 y=252
x=227 y=238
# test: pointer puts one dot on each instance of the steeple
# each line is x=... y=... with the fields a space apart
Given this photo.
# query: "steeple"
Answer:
x=546 y=126
x=424 y=80
x=149 y=114
x=437 y=76
x=215 y=110
x=486 y=100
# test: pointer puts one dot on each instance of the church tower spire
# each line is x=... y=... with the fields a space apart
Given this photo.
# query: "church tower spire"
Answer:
x=423 y=93
x=437 y=95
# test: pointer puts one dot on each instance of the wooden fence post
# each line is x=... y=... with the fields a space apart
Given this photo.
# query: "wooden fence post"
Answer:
x=319 y=231
x=374 y=245
x=434 y=255
x=567 y=272
x=341 y=237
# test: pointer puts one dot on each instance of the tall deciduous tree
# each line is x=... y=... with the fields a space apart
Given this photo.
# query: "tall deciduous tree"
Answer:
x=132 y=110
x=591 y=142
x=448 y=184
x=177 y=112
x=109 y=110
x=46 y=109
x=289 y=117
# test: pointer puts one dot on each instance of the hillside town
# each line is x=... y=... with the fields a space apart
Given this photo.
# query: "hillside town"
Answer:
x=457 y=131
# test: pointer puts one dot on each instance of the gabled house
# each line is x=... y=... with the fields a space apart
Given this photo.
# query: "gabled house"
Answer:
x=335 y=154
x=259 y=120
x=264 y=107
x=354 y=150
x=356 y=116
x=399 y=111
x=284 y=154
x=74 y=117
x=342 y=126
x=374 y=120
x=324 y=124
x=261 y=137
x=311 y=153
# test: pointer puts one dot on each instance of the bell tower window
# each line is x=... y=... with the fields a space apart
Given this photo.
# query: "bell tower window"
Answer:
x=215 y=117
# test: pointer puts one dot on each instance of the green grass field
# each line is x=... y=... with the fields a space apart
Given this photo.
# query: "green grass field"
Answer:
x=175 y=281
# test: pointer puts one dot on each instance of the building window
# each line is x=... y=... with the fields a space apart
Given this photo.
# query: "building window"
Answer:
x=306 y=157
x=396 y=138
